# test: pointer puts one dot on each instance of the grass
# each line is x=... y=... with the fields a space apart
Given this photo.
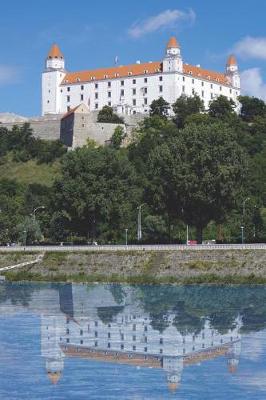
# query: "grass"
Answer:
x=137 y=279
x=30 y=172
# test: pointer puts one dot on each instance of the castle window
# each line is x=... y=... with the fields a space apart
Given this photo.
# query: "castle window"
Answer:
x=116 y=75
x=134 y=81
x=78 y=79
x=130 y=73
x=145 y=80
x=145 y=339
x=96 y=95
x=68 y=99
x=134 y=338
x=67 y=331
x=122 y=83
x=133 y=92
x=96 y=106
x=193 y=91
x=184 y=351
x=96 y=334
x=81 y=332
x=96 y=343
x=67 y=340
x=211 y=95
x=193 y=348
x=122 y=347
x=202 y=83
x=134 y=102
x=122 y=93
x=230 y=91
x=68 y=109
x=202 y=93
x=190 y=72
x=183 y=89
x=146 y=71
x=109 y=84
x=184 y=340
x=161 y=340
x=68 y=89
x=122 y=336
x=105 y=76
x=48 y=101
x=109 y=94
x=211 y=86
x=145 y=349
x=221 y=88
x=134 y=348
x=96 y=85
x=145 y=100
x=160 y=78
x=145 y=90
x=109 y=335
x=134 y=327
x=81 y=342
x=203 y=336
x=109 y=103
x=145 y=328
x=193 y=81
x=109 y=345
x=96 y=323
x=160 y=89
x=184 y=79
x=203 y=345
x=81 y=97
x=82 y=87
x=161 y=351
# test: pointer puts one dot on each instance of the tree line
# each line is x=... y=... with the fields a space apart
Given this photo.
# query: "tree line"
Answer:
x=204 y=169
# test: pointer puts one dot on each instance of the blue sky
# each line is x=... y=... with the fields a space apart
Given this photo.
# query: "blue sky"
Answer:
x=92 y=34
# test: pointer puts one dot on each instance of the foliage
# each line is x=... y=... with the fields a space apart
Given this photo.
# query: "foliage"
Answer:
x=159 y=107
x=221 y=107
x=251 y=107
x=107 y=115
x=186 y=106
x=118 y=137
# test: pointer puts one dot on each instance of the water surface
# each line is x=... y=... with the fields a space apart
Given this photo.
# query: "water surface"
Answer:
x=132 y=342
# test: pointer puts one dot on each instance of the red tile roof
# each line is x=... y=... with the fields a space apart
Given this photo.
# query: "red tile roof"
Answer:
x=55 y=52
x=138 y=70
x=231 y=60
x=173 y=43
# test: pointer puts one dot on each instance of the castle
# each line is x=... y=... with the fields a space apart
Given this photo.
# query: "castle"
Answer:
x=131 y=89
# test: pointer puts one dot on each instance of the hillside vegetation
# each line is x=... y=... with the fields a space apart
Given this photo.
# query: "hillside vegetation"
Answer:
x=204 y=169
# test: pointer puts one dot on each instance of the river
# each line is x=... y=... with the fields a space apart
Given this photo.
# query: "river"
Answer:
x=69 y=341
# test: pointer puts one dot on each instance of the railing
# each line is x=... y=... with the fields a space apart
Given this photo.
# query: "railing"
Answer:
x=116 y=248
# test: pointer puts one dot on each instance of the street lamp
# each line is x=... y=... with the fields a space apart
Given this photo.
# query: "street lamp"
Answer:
x=126 y=235
x=242 y=234
x=35 y=210
x=243 y=218
x=139 y=222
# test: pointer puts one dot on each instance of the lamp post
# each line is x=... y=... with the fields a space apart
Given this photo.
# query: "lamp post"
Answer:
x=35 y=210
x=243 y=218
x=139 y=222
x=126 y=235
x=242 y=235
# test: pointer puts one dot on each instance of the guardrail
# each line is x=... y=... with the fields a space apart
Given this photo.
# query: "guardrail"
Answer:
x=116 y=248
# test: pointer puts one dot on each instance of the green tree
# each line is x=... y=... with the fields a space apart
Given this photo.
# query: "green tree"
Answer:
x=186 y=106
x=197 y=174
x=107 y=115
x=29 y=231
x=221 y=107
x=251 y=107
x=118 y=137
x=159 y=107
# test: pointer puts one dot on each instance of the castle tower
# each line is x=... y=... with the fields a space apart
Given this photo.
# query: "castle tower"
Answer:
x=52 y=76
x=172 y=61
x=232 y=71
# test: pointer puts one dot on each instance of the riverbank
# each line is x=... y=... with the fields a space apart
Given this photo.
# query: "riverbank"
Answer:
x=180 y=267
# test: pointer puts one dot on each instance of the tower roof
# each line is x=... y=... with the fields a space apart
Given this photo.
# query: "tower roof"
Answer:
x=55 y=52
x=54 y=377
x=173 y=43
x=231 y=60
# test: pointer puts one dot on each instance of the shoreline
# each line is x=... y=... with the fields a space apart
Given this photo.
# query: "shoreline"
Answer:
x=141 y=267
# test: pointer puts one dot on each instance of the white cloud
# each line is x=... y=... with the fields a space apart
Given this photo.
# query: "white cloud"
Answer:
x=251 y=47
x=166 y=19
x=252 y=83
x=8 y=74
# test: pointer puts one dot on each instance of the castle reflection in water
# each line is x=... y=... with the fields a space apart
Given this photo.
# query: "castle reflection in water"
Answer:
x=89 y=322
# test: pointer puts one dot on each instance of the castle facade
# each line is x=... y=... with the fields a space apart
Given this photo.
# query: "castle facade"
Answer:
x=132 y=88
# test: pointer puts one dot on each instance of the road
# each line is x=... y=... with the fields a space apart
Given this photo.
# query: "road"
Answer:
x=164 y=247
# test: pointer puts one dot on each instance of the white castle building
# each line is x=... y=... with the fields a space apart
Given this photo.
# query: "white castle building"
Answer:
x=131 y=89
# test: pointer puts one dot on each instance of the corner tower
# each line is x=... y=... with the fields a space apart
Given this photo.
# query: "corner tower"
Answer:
x=172 y=61
x=51 y=79
x=232 y=71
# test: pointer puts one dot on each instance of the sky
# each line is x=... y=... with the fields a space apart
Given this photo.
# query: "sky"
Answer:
x=93 y=34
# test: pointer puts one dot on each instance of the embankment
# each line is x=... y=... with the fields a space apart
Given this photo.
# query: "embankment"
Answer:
x=182 y=267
